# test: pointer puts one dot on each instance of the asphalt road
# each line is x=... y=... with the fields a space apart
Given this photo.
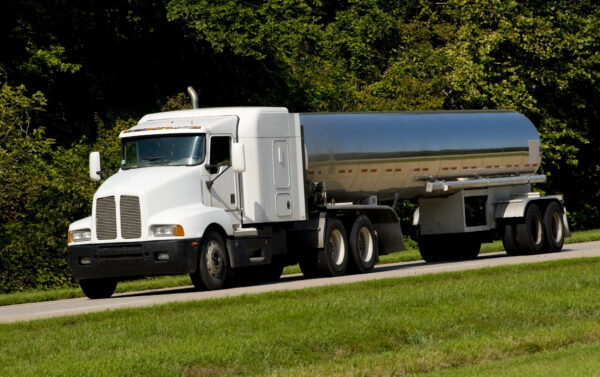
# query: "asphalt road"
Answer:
x=26 y=312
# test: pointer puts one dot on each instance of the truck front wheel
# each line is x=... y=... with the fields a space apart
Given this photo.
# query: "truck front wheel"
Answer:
x=212 y=264
x=98 y=288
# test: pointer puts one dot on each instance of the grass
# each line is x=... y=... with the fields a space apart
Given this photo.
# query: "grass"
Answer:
x=579 y=360
x=511 y=320
x=411 y=254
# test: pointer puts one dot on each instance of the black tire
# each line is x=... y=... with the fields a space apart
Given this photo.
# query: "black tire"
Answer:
x=255 y=275
x=469 y=247
x=332 y=260
x=430 y=249
x=554 y=228
x=530 y=234
x=213 y=266
x=98 y=288
x=363 y=245
x=509 y=240
x=270 y=272
x=307 y=261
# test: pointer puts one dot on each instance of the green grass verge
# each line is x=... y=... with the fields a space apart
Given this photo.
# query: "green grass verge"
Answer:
x=411 y=254
x=577 y=360
x=511 y=319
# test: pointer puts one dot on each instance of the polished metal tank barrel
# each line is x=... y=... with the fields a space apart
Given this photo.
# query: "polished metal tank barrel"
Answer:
x=357 y=155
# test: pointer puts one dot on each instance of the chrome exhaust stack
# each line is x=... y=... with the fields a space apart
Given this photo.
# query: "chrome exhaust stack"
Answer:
x=193 y=97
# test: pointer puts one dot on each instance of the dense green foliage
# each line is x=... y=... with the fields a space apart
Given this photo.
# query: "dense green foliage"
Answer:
x=70 y=72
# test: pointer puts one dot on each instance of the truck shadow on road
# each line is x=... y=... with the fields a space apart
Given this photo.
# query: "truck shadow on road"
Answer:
x=286 y=279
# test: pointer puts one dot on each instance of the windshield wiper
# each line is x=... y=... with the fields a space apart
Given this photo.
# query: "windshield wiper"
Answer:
x=153 y=158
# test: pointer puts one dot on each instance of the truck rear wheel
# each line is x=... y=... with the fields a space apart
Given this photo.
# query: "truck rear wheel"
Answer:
x=308 y=263
x=363 y=245
x=530 y=234
x=509 y=240
x=554 y=228
x=98 y=288
x=270 y=272
x=212 y=265
x=332 y=260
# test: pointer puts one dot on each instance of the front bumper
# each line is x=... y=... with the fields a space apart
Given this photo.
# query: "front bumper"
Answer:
x=133 y=260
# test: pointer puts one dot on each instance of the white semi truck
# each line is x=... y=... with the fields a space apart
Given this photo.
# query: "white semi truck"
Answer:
x=225 y=191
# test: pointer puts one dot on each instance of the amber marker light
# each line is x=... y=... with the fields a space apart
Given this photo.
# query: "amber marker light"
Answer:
x=179 y=231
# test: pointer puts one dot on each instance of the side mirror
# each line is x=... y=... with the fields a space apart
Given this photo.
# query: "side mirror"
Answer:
x=238 y=159
x=95 y=166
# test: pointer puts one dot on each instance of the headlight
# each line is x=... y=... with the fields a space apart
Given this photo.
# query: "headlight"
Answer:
x=80 y=235
x=167 y=230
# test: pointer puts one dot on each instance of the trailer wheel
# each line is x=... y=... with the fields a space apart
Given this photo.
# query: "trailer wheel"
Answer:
x=509 y=240
x=530 y=234
x=429 y=249
x=332 y=260
x=363 y=245
x=212 y=265
x=469 y=247
x=98 y=288
x=554 y=228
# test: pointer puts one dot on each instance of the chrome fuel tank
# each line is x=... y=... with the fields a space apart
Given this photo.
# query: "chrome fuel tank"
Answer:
x=361 y=154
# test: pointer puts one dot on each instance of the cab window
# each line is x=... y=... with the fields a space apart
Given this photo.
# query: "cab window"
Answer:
x=220 y=151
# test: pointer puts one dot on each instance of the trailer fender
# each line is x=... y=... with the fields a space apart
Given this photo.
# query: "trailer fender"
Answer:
x=384 y=220
x=515 y=209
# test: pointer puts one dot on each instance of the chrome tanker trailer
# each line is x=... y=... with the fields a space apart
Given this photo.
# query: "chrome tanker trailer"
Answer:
x=225 y=192
x=471 y=171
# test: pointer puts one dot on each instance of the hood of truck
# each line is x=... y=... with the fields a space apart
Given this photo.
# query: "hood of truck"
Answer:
x=156 y=189
x=151 y=179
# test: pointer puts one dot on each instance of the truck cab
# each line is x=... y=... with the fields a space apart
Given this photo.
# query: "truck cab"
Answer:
x=179 y=189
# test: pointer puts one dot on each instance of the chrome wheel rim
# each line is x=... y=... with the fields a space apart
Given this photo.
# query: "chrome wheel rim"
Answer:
x=536 y=230
x=556 y=227
x=365 y=244
x=214 y=261
x=337 y=248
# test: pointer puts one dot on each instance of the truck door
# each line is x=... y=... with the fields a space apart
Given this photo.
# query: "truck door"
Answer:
x=223 y=192
x=281 y=175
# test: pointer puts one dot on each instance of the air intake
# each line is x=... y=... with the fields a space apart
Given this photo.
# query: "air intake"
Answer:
x=131 y=224
x=106 y=218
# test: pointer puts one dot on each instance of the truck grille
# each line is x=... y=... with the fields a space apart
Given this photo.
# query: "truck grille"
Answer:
x=106 y=218
x=131 y=224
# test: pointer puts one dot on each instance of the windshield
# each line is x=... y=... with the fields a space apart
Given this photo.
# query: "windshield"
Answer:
x=172 y=150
